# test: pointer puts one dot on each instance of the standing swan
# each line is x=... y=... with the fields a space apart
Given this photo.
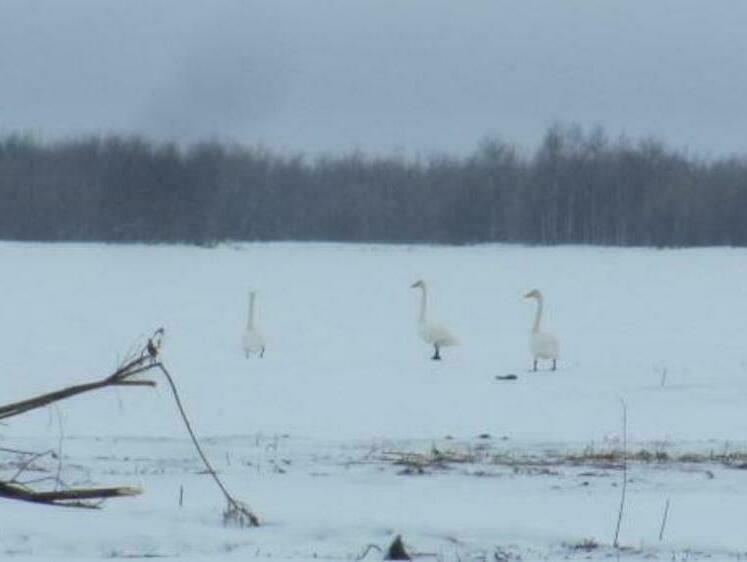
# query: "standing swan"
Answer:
x=544 y=345
x=253 y=341
x=433 y=334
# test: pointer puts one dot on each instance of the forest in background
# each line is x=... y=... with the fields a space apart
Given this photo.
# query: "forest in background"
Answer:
x=577 y=187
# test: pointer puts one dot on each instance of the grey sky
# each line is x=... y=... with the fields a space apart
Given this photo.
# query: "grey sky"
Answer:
x=415 y=76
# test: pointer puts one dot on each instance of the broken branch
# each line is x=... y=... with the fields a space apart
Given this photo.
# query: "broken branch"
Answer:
x=66 y=498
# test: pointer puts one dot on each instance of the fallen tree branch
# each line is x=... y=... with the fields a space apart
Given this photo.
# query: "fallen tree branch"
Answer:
x=144 y=361
x=67 y=498
x=147 y=359
x=121 y=377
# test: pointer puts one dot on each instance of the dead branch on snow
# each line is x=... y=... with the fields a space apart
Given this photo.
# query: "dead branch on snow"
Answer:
x=146 y=360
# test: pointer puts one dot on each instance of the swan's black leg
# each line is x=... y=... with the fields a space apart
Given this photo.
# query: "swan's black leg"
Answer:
x=246 y=354
x=554 y=364
x=535 y=365
x=262 y=353
x=436 y=353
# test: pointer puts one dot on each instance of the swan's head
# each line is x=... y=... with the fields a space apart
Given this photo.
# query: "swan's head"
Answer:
x=418 y=284
x=533 y=294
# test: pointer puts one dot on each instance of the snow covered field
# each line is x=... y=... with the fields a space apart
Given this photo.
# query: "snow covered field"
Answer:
x=331 y=436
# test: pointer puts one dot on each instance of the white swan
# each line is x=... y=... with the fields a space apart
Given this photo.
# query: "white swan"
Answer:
x=433 y=334
x=543 y=345
x=253 y=340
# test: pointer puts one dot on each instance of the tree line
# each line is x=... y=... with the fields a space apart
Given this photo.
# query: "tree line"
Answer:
x=578 y=187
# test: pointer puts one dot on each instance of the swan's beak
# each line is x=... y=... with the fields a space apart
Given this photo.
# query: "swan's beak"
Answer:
x=528 y=295
x=414 y=285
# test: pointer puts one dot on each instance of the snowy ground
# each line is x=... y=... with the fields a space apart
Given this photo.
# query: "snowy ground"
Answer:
x=331 y=436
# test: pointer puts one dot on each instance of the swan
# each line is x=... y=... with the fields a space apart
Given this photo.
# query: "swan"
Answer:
x=543 y=345
x=432 y=333
x=253 y=341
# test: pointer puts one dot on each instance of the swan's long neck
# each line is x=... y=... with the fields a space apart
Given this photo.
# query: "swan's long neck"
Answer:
x=250 y=321
x=423 y=299
x=538 y=317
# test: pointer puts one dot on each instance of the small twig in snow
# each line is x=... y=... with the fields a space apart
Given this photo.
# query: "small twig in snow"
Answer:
x=59 y=447
x=27 y=463
x=625 y=473
x=664 y=520
x=368 y=549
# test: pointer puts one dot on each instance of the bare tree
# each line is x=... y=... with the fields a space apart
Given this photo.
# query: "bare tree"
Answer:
x=577 y=187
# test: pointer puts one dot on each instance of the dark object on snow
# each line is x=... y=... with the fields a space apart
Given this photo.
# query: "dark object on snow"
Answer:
x=511 y=377
x=397 y=550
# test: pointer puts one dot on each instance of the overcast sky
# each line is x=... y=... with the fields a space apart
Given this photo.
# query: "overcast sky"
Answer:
x=411 y=76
